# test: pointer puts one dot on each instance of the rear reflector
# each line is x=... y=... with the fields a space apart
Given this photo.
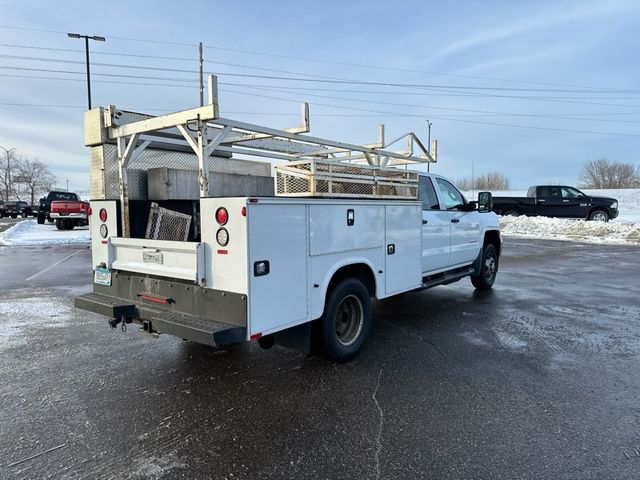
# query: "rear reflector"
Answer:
x=256 y=336
x=223 y=252
x=151 y=298
x=244 y=211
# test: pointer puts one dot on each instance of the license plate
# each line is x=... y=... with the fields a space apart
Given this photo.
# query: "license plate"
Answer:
x=152 y=257
x=102 y=276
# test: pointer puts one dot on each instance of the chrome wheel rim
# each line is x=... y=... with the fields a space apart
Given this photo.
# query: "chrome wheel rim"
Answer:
x=490 y=267
x=349 y=320
x=599 y=217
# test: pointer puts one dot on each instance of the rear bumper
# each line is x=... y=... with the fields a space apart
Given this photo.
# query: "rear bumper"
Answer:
x=74 y=216
x=208 y=316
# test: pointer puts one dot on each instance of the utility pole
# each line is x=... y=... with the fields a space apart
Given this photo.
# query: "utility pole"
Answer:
x=201 y=74
x=67 y=185
x=429 y=142
x=86 y=51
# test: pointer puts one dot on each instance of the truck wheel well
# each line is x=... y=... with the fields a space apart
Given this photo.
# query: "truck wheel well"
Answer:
x=360 y=271
x=493 y=237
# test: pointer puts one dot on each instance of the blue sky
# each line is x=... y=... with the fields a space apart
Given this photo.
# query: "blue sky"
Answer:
x=531 y=89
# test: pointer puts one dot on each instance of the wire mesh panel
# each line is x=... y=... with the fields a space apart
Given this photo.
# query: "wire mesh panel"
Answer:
x=325 y=178
x=165 y=224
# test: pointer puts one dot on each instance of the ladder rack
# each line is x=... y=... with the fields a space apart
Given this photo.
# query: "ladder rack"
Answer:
x=203 y=133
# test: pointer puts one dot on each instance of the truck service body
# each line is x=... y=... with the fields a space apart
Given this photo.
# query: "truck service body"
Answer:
x=294 y=269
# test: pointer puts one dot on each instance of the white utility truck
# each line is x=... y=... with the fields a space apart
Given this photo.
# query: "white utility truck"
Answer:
x=191 y=239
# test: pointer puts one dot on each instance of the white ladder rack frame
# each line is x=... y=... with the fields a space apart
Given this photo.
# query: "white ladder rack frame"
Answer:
x=204 y=131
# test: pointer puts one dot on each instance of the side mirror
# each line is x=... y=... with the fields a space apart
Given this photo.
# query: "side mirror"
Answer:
x=485 y=202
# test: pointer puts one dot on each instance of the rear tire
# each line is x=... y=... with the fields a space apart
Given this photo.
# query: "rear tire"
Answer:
x=510 y=212
x=346 y=321
x=488 y=269
x=599 y=216
x=59 y=224
x=41 y=219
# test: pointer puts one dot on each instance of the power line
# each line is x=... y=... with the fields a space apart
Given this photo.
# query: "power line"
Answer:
x=321 y=80
x=558 y=116
x=593 y=132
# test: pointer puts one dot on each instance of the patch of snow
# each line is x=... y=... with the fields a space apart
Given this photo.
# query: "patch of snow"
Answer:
x=570 y=229
x=35 y=312
x=28 y=232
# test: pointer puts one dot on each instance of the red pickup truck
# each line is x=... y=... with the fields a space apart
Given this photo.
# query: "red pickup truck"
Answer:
x=69 y=214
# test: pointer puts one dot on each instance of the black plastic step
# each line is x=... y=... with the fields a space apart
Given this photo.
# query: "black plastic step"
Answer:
x=197 y=329
x=112 y=307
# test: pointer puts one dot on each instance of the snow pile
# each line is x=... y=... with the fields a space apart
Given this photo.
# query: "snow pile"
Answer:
x=29 y=232
x=570 y=229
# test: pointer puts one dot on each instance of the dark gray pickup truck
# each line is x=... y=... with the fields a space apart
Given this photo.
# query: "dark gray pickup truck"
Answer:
x=558 y=201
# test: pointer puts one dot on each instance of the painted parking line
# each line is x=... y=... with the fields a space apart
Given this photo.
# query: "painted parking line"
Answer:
x=52 y=266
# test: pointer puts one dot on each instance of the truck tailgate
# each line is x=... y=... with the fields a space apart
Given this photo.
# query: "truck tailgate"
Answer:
x=183 y=260
x=64 y=207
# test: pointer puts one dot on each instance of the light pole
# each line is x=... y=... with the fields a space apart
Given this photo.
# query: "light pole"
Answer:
x=67 y=185
x=429 y=142
x=86 y=51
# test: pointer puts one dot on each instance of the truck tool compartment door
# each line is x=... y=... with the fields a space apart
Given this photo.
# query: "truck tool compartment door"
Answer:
x=277 y=266
x=403 y=244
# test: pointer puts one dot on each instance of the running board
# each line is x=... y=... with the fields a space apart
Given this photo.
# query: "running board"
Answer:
x=446 y=278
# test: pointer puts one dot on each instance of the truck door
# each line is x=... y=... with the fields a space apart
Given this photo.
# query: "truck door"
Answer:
x=549 y=201
x=436 y=229
x=465 y=226
x=574 y=203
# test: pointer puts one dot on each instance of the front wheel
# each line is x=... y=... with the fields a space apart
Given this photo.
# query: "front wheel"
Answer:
x=511 y=213
x=599 y=216
x=41 y=219
x=488 y=269
x=346 y=321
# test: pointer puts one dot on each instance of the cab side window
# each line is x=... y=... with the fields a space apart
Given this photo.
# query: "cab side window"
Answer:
x=549 y=192
x=568 y=192
x=451 y=197
x=427 y=194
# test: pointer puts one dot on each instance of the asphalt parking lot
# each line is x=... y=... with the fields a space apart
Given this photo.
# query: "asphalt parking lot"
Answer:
x=539 y=378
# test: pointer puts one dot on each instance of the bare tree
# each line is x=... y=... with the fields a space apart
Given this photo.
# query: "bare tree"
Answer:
x=8 y=158
x=36 y=178
x=487 y=181
x=605 y=173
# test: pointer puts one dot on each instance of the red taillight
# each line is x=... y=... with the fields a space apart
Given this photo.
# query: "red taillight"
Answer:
x=89 y=211
x=244 y=211
x=103 y=215
x=222 y=216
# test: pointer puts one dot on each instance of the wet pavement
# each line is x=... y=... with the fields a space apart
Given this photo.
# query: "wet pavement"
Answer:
x=539 y=378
